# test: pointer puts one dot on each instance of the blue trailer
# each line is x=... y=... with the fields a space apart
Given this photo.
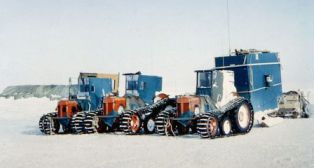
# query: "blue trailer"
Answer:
x=257 y=76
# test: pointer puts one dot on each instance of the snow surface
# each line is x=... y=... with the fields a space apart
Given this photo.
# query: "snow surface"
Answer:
x=289 y=144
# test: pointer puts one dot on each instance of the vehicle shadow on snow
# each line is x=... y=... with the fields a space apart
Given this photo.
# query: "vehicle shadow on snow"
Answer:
x=191 y=136
x=31 y=130
x=34 y=131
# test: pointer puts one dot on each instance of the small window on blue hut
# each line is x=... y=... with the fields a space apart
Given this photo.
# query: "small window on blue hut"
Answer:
x=92 y=89
x=268 y=80
x=142 y=86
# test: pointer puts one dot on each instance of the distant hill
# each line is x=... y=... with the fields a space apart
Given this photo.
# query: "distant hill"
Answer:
x=49 y=91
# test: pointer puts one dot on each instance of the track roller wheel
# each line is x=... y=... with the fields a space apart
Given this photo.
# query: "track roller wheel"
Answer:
x=77 y=123
x=207 y=126
x=135 y=124
x=149 y=126
x=131 y=123
x=243 y=117
x=226 y=126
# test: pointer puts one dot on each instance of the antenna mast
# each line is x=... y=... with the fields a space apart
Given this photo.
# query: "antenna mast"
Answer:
x=228 y=26
x=70 y=84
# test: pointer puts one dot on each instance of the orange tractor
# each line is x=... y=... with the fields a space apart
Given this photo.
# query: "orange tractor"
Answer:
x=70 y=113
x=140 y=91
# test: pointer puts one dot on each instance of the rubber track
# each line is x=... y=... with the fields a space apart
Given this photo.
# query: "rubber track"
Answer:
x=203 y=126
x=77 y=123
x=202 y=122
x=46 y=123
x=125 y=124
x=90 y=125
x=161 y=121
x=147 y=111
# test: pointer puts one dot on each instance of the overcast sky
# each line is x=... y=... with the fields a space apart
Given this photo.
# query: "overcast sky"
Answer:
x=45 y=42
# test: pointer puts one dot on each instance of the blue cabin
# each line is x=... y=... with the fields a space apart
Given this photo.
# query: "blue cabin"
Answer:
x=143 y=86
x=257 y=76
x=92 y=87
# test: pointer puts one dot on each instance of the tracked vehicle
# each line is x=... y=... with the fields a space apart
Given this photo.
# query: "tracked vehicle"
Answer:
x=225 y=107
x=215 y=110
x=293 y=104
x=117 y=112
x=143 y=119
x=70 y=113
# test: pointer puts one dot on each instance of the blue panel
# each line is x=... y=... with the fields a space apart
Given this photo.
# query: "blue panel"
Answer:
x=229 y=60
x=132 y=85
x=261 y=58
x=251 y=78
x=252 y=58
x=203 y=91
x=110 y=118
x=152 y=84
x=185 y=118
x=98 y=88
x=146 y=86
x=258 y=73
x=84 y=104
x=266 y=99
x=241 y=78
x=65 y=122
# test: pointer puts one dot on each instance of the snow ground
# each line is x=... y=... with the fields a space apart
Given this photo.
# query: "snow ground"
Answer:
x=289 y=144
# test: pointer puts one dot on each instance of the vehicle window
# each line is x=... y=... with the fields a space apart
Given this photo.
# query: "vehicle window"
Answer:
x=204 y=79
